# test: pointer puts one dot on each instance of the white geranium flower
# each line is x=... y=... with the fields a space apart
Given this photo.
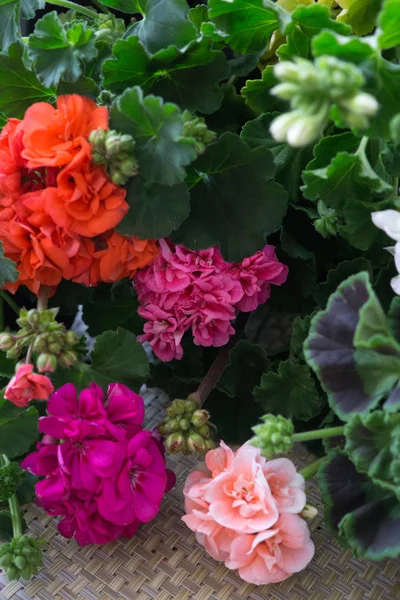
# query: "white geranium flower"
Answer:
x=389 y=222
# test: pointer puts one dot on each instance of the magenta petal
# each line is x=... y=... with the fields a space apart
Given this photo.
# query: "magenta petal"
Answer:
x=67 y=527
x=64 y=401
x=144 y=508
x=104 y=457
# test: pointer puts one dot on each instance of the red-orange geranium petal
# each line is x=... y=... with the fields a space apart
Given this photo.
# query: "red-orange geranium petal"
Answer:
x=85 y=202
x=54 y=136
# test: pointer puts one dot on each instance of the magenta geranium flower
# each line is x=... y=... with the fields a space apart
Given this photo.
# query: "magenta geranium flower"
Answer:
x=103 y=474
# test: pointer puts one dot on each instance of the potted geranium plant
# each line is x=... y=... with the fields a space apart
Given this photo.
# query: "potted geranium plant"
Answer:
x=220 y=182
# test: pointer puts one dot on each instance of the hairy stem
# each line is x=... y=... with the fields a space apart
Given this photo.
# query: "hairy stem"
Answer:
x=88 y=12
x=363 y=144
x=14 y=508
x=318 y=434
x=43 y=297
x=7 y=298
x=100 y=6
x=312 y=469
x=217 y=368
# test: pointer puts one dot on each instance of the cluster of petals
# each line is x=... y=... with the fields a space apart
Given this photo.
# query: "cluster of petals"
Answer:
x=198 y=290
x=27 y=385
x=245 y=510
x=102 y=472
x=58 y=210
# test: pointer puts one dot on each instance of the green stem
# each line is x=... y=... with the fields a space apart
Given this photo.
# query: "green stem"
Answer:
x=318 y=434
x=88 y=12
x=14 y=508
x=100 y=6
x=312 y=469
x=9 y=301
x=363 y=144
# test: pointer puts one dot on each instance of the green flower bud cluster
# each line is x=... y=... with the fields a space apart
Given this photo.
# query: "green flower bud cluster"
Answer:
x=115 y=151
x=49 y=340
x=273 y=436
x=187 y=428
x=106 y=98
x=317 y=91
x=196 y=128
x=11 y=476
x=109 y=28
x=21 y=558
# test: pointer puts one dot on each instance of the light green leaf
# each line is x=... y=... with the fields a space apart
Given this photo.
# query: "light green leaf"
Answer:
x=190 y=77
x=352 y=49
x=155 y=210
x=247 y=24
x=56 y=51
x=29 y=7
x=232 y=201
x=388 y=23
x=157 y=128
x=359 y=14
x=290 y=392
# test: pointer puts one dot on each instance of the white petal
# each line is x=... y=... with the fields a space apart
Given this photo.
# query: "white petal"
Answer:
x=388 y=221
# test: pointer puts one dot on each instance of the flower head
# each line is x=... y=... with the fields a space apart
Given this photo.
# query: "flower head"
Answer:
x=108 y=474
x=244 y=511
x=27 y=385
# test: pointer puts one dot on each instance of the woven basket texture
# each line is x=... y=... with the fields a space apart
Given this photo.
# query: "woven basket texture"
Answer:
x=164 y=562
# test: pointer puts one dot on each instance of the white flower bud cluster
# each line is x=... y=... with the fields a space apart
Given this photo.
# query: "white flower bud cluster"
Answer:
x=313 y=89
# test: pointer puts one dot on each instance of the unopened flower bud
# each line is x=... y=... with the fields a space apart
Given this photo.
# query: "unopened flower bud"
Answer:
x=174 y=443
x=33 y=317
x=112 y=143
x=118 y=178
x=172 y=425
x=190 y=406
x=286 y=91
x=287 y=71
x=200 y=417
x=55 y=348
x=361 y=104
x=177 y=407
x=14 y=353
x=71 y=338
x=97 y=137
x=40 y=343
x=67 y=358
x=184 y=424
x=127 y=143
x=204 y=431
x=309 y=512
x=46 y=363
x=195 y=443
x=274 y=436
x=98 y=158
x=304 y=131
x=209 y=445
x=6 y=341
x=129 y=167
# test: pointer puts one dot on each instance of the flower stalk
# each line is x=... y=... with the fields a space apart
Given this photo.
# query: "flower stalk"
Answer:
x=88 y=12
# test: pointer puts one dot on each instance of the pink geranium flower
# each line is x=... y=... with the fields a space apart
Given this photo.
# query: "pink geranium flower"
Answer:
x=198 y=290
x=244 y=511
x=27 y=385
x=102 y=473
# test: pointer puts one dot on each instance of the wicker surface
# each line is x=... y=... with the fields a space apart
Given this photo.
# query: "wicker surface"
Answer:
x=164 y=562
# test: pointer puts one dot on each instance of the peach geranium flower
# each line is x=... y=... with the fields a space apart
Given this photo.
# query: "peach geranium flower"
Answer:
x=241 y=496
x=53 y=137
x=27 y=385
x=275 y=554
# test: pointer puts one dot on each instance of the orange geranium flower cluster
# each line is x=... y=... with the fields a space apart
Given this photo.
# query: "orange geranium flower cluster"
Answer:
x=58 y=210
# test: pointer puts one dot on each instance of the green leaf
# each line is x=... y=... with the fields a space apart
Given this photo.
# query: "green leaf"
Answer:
x=365 y=516
x=56 y=52
x=385 y=88
x=330 y=146
x=18 y=429
x=394 y=318
x=85 y=86
x=232 y=203
x=247 y=363
x=368 y=443
x=388 y=23
x=299 y=333
x=351 y=49
x=112 y=307
x=257 y=92
x=347 y=177
x=247 y=24
x=20 y=87
x=291 y=392
x=117 y=356
x=8 y=268
x=155 y=210
x=7 y=366
x=127 y=6
x=6 y=526
x=339 y=274
x=189 y=77
x=9 y=17
x=306 y=23
x=164 y=24
x=157 y=128
x=360 y=15
x=352 y=322
x=29 y=7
